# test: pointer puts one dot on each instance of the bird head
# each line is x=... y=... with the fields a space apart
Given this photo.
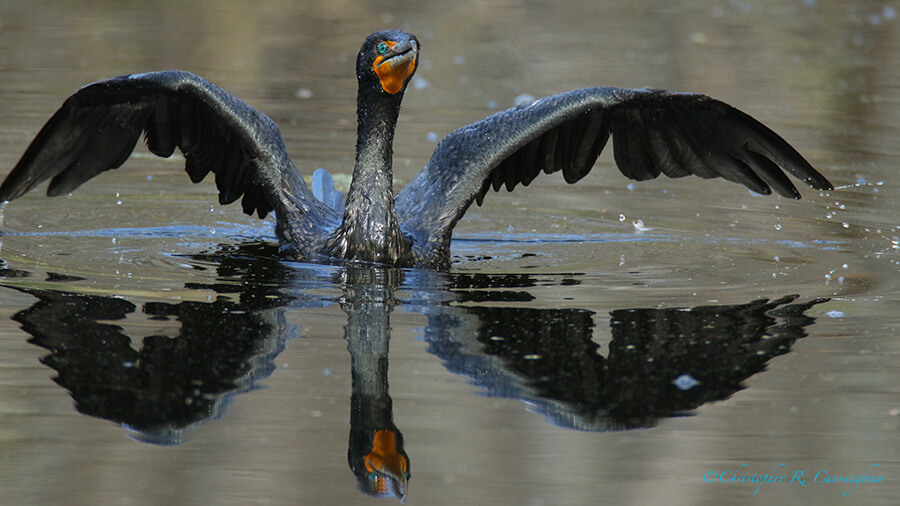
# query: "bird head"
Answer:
x=390 y=57
x=387 y=466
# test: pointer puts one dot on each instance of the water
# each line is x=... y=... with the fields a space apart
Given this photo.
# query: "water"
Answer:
x=604 y=342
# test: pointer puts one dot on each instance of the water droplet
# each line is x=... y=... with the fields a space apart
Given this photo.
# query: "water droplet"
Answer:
x=639 y=226
x=523 y=99
x=686 y=382
x=621 y=217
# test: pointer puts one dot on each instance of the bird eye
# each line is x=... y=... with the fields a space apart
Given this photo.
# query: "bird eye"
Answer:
x=382 y=48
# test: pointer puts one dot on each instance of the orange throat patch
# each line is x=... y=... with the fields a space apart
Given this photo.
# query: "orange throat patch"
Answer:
x=393 y=72
x=384 y=457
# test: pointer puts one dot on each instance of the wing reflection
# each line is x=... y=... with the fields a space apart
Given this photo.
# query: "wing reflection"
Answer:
x=181 y=371
x=660 y=363
x=185 y=361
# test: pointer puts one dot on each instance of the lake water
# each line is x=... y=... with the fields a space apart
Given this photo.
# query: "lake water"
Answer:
x=607 y=342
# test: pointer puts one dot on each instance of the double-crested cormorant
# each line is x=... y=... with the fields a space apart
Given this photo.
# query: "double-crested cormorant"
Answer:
x=653 y=131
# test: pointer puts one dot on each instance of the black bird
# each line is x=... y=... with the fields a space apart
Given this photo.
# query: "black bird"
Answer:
x=653 y=131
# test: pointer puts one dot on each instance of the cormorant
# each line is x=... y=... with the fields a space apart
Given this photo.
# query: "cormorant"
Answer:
x=653 y=132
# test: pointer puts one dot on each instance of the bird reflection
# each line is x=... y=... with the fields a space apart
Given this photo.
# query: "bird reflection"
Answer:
x=196 y=356
x=376 y=453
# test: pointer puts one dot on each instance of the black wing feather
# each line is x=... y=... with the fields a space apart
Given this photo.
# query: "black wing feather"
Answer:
x=161 y=138
x=654 y=132
x=97 y=128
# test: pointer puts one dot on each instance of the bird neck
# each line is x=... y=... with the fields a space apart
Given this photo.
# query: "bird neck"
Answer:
x=376 y=115
x=369 y=230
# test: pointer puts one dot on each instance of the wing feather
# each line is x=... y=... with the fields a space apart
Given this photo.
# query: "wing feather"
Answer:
x=97 y=128
x=654 y=132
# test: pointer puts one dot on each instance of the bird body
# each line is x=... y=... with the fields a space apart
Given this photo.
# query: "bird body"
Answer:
x=653 y=131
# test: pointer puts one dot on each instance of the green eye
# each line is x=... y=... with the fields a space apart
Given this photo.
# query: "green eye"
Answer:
x=382 y=48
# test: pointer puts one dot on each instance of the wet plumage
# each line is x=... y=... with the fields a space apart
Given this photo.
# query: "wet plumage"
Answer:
x=653 y=132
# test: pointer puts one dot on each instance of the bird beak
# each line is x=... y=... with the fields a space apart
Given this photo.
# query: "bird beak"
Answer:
x=395 y=68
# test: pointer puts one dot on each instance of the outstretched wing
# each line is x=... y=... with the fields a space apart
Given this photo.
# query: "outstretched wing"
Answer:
x=97 y=128
x=654 y=132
